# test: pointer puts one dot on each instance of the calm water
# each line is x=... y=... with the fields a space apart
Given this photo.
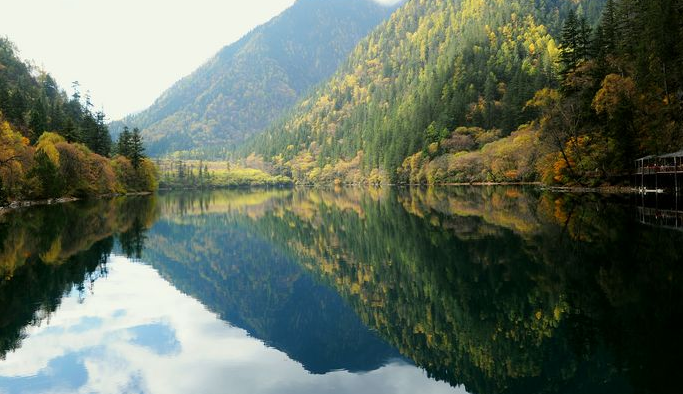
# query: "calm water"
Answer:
x=477 y=290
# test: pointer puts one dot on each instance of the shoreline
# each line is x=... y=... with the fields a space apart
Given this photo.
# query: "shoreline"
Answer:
x=600 y=189
x=540 y=186
x=16 y=205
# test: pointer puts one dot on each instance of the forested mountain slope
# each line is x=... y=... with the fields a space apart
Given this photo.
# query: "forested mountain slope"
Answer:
x=250 y=83
x=559 y=91
x=433 y=67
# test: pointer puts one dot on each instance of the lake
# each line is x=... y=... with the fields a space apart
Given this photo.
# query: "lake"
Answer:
x=448 y=290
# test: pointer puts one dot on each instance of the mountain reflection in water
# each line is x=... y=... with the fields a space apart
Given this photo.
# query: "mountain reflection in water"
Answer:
x=492 y=290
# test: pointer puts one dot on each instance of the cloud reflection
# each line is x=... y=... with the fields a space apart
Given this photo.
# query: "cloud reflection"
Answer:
x=163 y=341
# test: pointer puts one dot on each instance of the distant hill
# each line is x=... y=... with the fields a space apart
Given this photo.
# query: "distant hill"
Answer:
x=252 y=82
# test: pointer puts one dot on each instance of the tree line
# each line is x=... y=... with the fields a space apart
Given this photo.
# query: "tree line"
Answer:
x=53 y=145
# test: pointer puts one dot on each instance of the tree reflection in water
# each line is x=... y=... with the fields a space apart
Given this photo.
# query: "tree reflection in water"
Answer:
x=500 y=289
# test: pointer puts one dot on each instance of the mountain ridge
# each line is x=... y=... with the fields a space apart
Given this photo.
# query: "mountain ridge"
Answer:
x=253 y=81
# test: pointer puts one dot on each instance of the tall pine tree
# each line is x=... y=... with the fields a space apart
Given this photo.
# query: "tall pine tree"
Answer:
x=137 y=150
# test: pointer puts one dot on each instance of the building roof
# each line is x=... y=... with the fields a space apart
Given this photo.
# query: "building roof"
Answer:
x=675 y=154
x=666 y=156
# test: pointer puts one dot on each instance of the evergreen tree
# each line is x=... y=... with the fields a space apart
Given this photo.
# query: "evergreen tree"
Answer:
x=70 y=132
x=102 y=138
x=88 y=129
x=39 y=121
x=17 y=107
x=123 y=145
x=585 y=44
x=609 y=28
x=137 y=150
x=570 y=44
x=57 y=119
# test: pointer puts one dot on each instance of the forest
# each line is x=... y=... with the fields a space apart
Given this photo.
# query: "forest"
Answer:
x=558 y=91
x=52 y=145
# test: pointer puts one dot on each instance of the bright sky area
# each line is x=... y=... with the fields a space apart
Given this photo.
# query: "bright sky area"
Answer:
x=127 y=52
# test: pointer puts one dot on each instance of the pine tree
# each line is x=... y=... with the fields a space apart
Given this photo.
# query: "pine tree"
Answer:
x=585 y=33
x=76 y=86
x=609 y=27
x=137 y=150
x=89 y=131
x=70 y=132
x=17 y=107
x=181 y=171
x=38 y=122
x=123 y=145
x=569 y=47
x=102 y=138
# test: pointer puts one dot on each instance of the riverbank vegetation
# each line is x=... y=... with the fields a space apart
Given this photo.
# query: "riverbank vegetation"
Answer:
x=199 y=174
x=52 y=145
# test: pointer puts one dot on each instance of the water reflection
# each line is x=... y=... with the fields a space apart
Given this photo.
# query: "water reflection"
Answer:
x=209 y=248
x=500 y=290
x=166 y=342
x=46 y=252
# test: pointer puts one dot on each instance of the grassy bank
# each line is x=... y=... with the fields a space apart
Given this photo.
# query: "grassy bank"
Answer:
x=196 y=174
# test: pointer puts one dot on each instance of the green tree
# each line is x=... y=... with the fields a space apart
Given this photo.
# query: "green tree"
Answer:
x=47 y=173
x=102 y=138
x=137 y=149
x=38 y=122
x=123 y=144
x=570 y=44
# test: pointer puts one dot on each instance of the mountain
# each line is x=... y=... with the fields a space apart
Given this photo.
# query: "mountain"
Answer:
x=250 y=83
x=433 y=67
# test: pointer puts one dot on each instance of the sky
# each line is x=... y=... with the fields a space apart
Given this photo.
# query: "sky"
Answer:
x=127 y=52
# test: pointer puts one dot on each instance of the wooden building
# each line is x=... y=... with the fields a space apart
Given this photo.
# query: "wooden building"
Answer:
x=662 y=174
